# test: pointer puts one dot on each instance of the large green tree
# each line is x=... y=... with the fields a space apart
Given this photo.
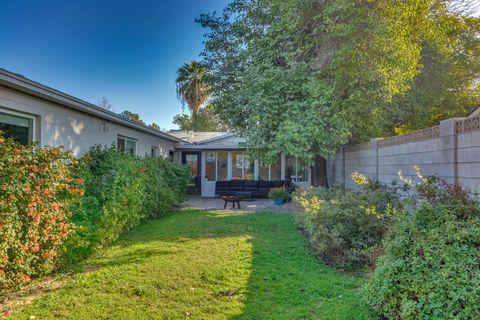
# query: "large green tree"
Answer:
x=304 y=77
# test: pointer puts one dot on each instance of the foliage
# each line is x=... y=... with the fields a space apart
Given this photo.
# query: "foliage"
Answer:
x=37 y=190
x=193 y=85
x=279 y=193
x=207 y=265
x=430 y=267
x=346 y=227
x=132 y=116
x=165 y=185
x=120 y=190
x=205 y=120
x=304 y=77
x=448 y=83
x=154 y=126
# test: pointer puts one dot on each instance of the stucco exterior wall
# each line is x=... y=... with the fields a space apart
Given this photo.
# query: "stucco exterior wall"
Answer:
x=450 y=151
x=57 y=125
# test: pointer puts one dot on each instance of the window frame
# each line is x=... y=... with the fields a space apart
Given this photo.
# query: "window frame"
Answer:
x=125 y=146
x=31 y=117
x=154 y=152
x=306 y=178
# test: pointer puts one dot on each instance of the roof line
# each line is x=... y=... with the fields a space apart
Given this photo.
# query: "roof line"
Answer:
x=23 y=84
x=228 y=134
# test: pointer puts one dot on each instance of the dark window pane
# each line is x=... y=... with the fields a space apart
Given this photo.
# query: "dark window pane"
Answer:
x=17 y=128
x=121 y=144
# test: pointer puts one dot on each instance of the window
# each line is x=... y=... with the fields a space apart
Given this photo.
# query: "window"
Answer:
x=263 y=171
x=269 y=173
x=154 y=152
x=216 y=165
x=211 y=166
x=242 y=166
x=222 y=165
x=127 y=145
x=17 y=127
x=296 y=170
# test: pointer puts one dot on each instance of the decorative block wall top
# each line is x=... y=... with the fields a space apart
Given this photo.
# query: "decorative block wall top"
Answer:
x=468 y=125
x=424 y=134
x=360 y=146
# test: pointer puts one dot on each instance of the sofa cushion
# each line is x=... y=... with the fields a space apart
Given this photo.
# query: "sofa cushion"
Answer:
x=222 y=185
x=237 y=185
x=251 y=184
x=265 y=184
x=278 y=183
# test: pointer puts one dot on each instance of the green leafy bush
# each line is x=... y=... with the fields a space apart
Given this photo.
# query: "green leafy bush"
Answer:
x=346 y=227
x=37 y=189
x=431 y=266
x=279 y=193
x=120 y=190
x=165 y=185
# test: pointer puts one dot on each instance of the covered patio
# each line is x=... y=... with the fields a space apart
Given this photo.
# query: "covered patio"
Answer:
x=220 y=156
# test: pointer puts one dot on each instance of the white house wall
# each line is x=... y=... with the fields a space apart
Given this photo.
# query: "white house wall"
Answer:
x=57 y=125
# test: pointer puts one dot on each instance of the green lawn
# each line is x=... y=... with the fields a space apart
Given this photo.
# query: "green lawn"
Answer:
x=207 y=265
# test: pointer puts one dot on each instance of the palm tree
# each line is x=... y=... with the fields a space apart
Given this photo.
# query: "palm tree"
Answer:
x=193 y=86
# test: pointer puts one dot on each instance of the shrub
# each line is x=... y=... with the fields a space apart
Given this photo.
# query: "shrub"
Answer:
x=346 y=227
x=279 y=193
x=431 y=265
x=165 y=185
x=37 y=189
x=120 y=190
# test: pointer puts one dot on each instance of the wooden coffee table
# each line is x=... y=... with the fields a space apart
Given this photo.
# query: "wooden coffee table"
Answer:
x=232 y=199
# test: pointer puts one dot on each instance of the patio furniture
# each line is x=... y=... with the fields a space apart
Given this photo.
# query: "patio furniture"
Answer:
x=257 y=189
x=232 y=199
x=244 y=194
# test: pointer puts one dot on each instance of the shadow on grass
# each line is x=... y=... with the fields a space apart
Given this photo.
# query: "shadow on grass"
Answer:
x=286 y=281
x=263 y=270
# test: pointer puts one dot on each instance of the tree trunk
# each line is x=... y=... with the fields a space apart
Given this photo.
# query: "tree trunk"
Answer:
x=319 y=173
x=194 y=121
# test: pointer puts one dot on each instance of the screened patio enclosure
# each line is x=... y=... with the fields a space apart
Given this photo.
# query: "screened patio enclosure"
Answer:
x=222 y=165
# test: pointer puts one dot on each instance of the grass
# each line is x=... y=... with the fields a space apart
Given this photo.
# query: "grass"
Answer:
x=207 y=265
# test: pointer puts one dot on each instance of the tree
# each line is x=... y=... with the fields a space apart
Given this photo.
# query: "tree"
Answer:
x=206 y=120
x=305 y=77
x=193 y=86
x=105 y=103
x=155 y=126
x=448 y=85
x=132 y=116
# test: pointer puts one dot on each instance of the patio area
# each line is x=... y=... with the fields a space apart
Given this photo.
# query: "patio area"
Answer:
x=256 y=205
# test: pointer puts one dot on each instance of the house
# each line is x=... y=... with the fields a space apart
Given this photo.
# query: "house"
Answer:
x=220 y=156
x=32 y=112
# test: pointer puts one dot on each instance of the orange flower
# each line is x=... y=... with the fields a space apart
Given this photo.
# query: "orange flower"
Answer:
x=36 y=247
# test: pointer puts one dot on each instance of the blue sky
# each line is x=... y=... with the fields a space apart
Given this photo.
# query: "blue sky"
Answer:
x=125 y=50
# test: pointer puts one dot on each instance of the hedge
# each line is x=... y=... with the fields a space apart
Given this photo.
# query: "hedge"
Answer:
x=56 y=210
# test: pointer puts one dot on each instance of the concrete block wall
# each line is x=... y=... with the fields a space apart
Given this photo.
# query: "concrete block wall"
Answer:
x=450 y=151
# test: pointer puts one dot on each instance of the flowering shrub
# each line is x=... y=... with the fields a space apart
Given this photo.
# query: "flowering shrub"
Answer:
x=431 y=265
x=37 y=189
x=346 y=227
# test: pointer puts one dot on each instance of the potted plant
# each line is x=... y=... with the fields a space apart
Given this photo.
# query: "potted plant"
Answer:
x=279 y=195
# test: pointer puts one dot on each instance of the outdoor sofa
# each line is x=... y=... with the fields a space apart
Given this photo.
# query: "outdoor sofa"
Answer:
x=257 y=189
